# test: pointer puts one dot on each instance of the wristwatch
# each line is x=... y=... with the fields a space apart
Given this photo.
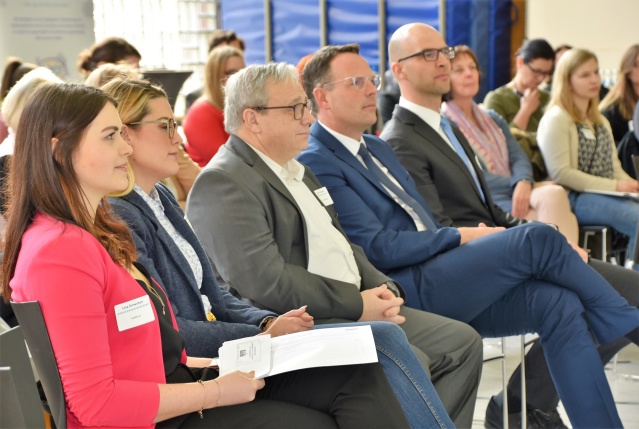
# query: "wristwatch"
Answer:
x=267 y=320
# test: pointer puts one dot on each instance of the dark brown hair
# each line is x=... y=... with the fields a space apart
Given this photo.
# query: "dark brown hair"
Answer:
x=225 y=37
x=14 y=69
x=109 y=50
x=42 y=178
x=317 y=70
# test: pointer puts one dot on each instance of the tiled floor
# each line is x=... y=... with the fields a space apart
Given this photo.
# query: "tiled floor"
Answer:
x=624 y=388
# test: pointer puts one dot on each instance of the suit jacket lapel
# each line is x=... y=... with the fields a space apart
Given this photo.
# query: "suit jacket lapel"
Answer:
x=427 y=132
x=327 y=139
x=248 y=155
x=164 y=236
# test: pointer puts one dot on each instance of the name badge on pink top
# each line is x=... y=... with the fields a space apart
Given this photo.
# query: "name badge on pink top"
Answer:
x=134 y=313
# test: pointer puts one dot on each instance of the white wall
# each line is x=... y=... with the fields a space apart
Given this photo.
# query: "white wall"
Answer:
x=606 y=27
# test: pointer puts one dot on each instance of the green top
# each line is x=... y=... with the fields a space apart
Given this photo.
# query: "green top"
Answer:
x=505 y=101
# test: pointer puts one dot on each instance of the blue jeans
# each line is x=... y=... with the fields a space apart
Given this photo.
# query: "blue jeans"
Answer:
x=619 y=213
x=413 y=388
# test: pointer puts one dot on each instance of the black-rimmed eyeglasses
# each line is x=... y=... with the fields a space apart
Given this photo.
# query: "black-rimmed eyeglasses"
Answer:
x=359 y=82
x=540 y=73
x=432 y=54
x=171 y=125
x=298 y=109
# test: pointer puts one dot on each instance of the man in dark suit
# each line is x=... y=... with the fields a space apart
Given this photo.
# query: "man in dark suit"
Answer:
x=460 y=197
x=500 y=281
x=272 y=234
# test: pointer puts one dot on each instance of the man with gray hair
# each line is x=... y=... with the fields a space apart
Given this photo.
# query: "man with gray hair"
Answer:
x=273 y=236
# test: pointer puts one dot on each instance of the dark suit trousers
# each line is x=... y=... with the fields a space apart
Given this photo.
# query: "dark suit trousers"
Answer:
x=540 y=391
x=528 y=279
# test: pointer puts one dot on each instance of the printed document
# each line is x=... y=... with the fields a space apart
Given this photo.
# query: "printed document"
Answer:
x=349 y=345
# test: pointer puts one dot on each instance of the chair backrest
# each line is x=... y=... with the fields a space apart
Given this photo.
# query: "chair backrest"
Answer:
x=35 y=332
x=20 y=405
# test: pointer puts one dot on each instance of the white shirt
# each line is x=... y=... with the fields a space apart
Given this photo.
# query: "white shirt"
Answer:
x=432 y=118
x=330 y=254
x=352 y=146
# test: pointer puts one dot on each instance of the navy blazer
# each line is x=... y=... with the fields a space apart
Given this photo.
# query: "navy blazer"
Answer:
x=166 y=264
x=369 y=215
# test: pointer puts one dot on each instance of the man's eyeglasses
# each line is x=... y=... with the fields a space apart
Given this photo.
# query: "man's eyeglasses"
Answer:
x=298 y=109
x=432 y=54
x=359 y=82
x=537 y=72
x=171 y=125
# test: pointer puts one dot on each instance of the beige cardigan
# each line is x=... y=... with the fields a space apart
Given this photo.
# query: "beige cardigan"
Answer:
x=558 y=140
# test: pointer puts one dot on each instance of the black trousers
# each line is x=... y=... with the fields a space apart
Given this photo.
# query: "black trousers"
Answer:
x=356 y=396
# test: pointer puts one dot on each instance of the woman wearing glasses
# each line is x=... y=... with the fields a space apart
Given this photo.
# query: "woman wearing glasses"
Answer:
x=521 y=102
x=579 y=150
x=204 y=122
x=206 y=315
x=506 y=167
x=114 y=334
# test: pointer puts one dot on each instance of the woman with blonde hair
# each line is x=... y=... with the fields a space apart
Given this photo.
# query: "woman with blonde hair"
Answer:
x=620 y=102
x=206 y=314
x=115 y=337
x=204 y=122
x=580 y=153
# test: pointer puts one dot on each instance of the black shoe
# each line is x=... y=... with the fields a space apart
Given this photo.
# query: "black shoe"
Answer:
x=494 y=416
x=543 y=419
x=536 y=419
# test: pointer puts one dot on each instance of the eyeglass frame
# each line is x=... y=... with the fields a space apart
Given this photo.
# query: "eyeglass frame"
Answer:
x=369 y=78
x=448 y=52
x=538 y=72
x=308 y=105
x=167 y=121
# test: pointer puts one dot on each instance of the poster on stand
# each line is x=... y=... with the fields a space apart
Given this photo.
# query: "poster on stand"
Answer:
x=49 y=33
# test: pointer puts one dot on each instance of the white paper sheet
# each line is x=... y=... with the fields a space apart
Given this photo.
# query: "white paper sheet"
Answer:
x=315 y=348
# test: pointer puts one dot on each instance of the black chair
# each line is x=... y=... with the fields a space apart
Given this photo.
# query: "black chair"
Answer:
x=627 y=149
x=35 y=333
x=170 y=80
x=19 y=403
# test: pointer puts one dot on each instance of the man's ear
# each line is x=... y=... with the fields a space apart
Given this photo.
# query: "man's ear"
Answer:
x=398 y=71
x=251 y=120
x=320 y=99
x=519 y=62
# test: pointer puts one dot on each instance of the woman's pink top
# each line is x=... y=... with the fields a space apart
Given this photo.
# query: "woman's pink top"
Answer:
x=110 y=377
x=204 y=130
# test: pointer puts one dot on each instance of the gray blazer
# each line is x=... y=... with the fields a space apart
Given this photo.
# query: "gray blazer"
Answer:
x=255 y=235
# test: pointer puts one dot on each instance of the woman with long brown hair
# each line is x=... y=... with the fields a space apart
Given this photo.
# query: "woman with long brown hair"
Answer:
x=620 y=102
x=114 y=335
